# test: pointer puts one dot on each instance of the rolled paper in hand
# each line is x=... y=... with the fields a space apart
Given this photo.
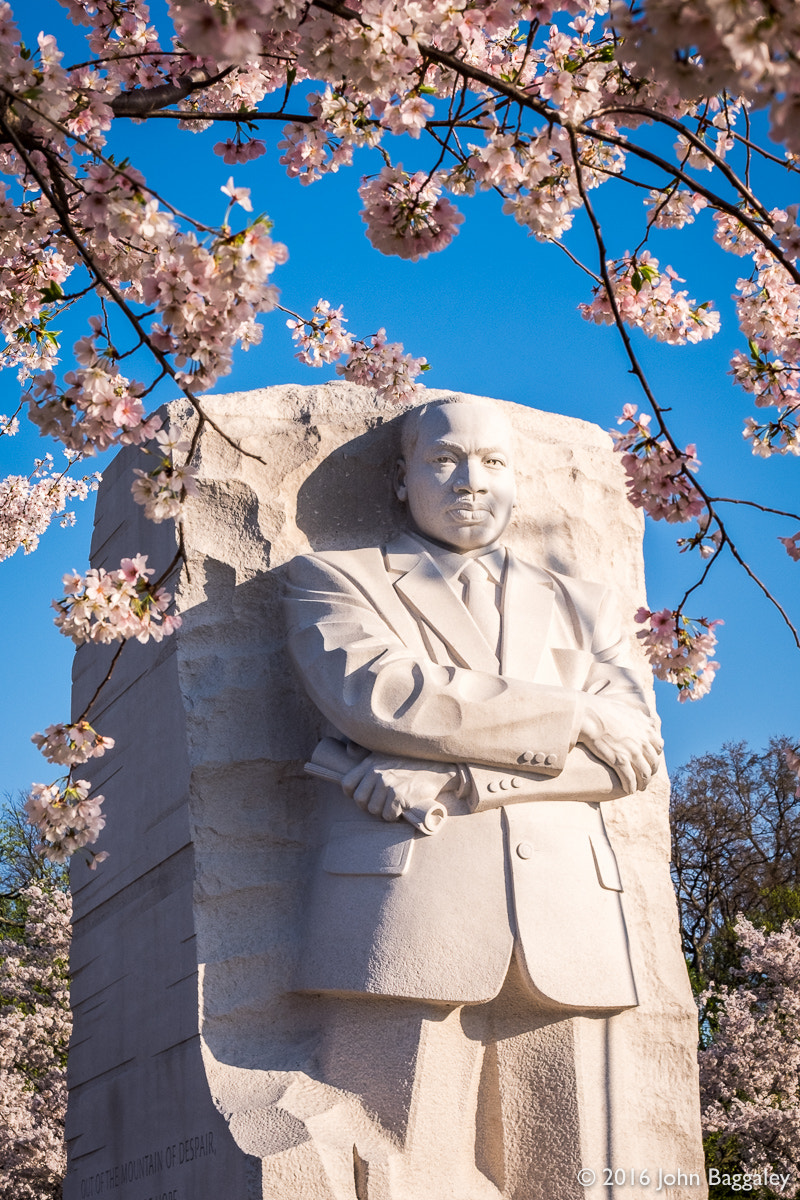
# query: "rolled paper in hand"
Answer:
x=332 y=760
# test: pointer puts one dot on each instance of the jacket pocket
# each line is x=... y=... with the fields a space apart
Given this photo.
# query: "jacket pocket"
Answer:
x=606 y=864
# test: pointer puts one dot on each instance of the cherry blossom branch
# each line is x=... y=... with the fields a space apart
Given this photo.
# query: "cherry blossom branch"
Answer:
x=61 y=207
x=243 y=118
x=657 y=409
x=142 y=101
x=712 y=197
x=697 y=142
x=779 y=512
x=468 y=71
x=107 y=162
x=760 y=584
x=636 y=368
x=101 y=685
x=709 y=564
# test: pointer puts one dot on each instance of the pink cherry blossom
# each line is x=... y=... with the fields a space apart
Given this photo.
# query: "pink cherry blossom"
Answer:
x=72 y=744
x=35 y=1024
x=29 y=504
x=646 y=298
x=108 y=606
x=659 y=477
x=749 y=1073
x=67 y=818
x=238 y=195
x=406 y=214
x=680 y=650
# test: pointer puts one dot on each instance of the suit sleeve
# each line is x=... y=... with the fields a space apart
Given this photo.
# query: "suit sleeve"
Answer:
x=584 y=777
x=368 y=683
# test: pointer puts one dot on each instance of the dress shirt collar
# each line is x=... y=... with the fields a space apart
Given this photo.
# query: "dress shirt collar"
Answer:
x=451 y=563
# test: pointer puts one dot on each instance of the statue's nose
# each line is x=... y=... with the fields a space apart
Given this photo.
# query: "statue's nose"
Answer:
x=469 y=478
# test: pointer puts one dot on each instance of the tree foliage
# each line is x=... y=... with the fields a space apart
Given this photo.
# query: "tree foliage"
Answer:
x=35 y=1019
x=735 y=819
x=736 y=866
x=750 y=1070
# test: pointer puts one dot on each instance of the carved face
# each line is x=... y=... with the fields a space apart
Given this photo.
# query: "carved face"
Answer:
x=458 y=482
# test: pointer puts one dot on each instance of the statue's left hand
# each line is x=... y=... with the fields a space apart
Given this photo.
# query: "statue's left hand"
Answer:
x=387 y=786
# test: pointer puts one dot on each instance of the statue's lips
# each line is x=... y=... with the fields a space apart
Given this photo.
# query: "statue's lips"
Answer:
x=468 y=513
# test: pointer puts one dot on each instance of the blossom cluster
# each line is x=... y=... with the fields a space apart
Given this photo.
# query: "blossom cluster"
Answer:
x=373 y=362
x=28 y=505
x=108 y=606
x=680 y=650
x=99 y=408
x=750 y=1073
x=165 y=487
x=407 y=214
x=68 y=820
x=71 y=744
x=324 y=338
x=701 y=48
x=674 y=208
x=659 y=479
x=646 y=299
x=35 y=1024
x=383 y=365
x=339 y=124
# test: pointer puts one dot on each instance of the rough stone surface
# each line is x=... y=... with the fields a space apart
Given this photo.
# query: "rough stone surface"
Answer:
x=196 y=1071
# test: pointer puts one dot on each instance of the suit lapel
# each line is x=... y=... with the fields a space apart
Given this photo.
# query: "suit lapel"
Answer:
x=428 y=595
x=528 y=596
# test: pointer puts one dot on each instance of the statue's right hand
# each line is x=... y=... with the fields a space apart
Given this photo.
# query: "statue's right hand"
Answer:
x=624 y=737
x=388 y=786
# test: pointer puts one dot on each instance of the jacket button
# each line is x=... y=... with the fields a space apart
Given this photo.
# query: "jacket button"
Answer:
x=503 y=785
x=550 y=761
x=527 y=757
x=525 y=850
x=515 y=782
x=538 y=759
x=491 y=787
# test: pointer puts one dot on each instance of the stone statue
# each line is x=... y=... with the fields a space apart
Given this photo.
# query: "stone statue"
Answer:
x=487 y=700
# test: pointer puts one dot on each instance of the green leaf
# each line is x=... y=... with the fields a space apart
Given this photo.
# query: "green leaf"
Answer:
x=52 y=292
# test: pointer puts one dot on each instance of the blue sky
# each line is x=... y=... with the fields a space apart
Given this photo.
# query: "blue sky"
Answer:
x=495 y=313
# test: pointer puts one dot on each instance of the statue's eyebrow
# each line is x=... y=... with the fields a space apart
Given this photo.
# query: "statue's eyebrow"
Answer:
x=445 y=445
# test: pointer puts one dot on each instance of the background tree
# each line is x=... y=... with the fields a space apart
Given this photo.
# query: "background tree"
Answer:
x=35 y=1018
x=735 y=818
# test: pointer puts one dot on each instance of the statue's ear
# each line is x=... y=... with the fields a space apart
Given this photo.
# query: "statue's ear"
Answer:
x=400 y=488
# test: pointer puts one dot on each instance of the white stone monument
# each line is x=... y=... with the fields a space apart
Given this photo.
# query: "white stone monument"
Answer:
x=272 y=998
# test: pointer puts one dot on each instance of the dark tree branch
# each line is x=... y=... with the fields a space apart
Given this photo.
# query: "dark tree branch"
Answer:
x=143 y=101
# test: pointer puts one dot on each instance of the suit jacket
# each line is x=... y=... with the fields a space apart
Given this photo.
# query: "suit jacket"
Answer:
x=391 y=656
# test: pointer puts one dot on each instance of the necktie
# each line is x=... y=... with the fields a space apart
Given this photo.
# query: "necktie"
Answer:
x=481 y=600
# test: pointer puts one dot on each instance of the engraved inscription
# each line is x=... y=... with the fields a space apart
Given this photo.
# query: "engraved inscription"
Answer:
x=171 y=1157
